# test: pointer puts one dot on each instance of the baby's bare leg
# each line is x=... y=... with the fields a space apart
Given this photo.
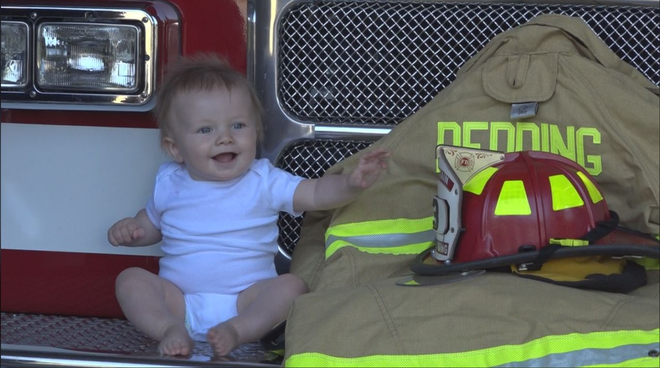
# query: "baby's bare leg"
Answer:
x=260 y=307
x=156 y=307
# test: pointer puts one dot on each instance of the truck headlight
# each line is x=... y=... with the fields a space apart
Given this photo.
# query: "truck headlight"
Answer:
x=87 y=57
x=77 y=58
x=14 y=54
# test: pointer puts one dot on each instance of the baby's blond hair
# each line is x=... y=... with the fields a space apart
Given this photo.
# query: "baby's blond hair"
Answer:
x=201 y=72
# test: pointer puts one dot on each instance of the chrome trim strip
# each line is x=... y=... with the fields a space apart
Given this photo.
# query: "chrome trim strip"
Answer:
x=41 y=356
x=36 y=99
x=349 y=132
x=280 y=129
x=284 y=252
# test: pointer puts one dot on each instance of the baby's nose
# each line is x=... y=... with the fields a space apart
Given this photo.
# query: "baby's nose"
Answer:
x=224 y=137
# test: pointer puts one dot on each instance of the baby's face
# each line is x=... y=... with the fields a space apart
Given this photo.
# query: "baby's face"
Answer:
x=213 y=133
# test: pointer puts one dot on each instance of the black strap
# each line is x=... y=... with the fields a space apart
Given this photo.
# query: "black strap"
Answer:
x=274 y=339
x=435 y=268
x=543 y=255
x=531 y=258
x=602 y=228
x=632 y=277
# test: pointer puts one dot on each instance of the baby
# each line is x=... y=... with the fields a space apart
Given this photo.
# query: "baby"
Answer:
x=215 y=208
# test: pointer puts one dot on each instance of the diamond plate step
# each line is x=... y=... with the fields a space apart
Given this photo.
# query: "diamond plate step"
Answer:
x=104 y=339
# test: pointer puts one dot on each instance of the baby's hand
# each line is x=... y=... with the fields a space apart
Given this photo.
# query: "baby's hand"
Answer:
x=125 y=231
x=368 y=169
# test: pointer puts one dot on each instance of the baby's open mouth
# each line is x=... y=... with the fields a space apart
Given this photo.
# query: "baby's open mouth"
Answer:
x=225 y=157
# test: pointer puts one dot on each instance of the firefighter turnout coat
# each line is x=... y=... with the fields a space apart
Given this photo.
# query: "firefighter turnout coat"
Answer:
x=549 y=85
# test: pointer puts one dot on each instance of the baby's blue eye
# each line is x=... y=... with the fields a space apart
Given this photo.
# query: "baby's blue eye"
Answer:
x=238 y=126
x=204 y=130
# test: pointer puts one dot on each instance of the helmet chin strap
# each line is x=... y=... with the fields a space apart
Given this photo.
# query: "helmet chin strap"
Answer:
x=532 y=259
x=422 y=266
x=602 y=229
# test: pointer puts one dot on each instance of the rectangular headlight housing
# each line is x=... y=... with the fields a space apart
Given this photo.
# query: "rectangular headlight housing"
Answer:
x=15 y=56
x=88 y=57
x=77 y=58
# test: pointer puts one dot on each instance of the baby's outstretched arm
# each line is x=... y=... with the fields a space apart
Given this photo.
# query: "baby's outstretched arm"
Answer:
x=332 y=191
x=135 y=231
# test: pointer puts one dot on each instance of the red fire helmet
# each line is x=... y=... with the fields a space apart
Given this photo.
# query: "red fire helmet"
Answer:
x=527 y=199
x=492 y=205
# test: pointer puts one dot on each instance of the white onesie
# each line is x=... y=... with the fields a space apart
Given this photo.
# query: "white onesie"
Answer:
x=218 y=237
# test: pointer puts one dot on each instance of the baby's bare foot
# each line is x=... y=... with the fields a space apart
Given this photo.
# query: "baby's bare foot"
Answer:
x=176 y=342
x=223 y=338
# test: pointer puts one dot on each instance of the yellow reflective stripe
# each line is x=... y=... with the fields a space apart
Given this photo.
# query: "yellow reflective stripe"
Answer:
x=399 y=225
x=594 y=193
x=513 y=199
x=569 y=242
x=404 y=249
x=564 y=194
x=391 y=236
x=648 y=263
x=574 y=349
x=478 y=182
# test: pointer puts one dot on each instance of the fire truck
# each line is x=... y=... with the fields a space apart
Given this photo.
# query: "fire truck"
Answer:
x=80 y=145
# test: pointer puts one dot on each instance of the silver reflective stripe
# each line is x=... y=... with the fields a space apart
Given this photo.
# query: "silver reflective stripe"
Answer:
x=384 y=240
x=592 y=356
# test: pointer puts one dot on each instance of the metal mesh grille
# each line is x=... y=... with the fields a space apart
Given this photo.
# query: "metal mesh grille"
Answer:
x=350 y=62
x=310 y=159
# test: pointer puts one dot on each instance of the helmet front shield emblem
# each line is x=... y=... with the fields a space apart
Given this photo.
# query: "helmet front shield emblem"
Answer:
x=457 y=165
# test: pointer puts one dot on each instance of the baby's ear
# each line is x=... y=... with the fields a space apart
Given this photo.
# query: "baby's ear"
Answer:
x=170 y=146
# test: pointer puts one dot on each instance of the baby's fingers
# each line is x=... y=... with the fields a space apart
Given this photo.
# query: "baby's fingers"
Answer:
x=378 y=157
x=377 y=154
x=124 y=232
x=116 y=236
x=137 y=233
